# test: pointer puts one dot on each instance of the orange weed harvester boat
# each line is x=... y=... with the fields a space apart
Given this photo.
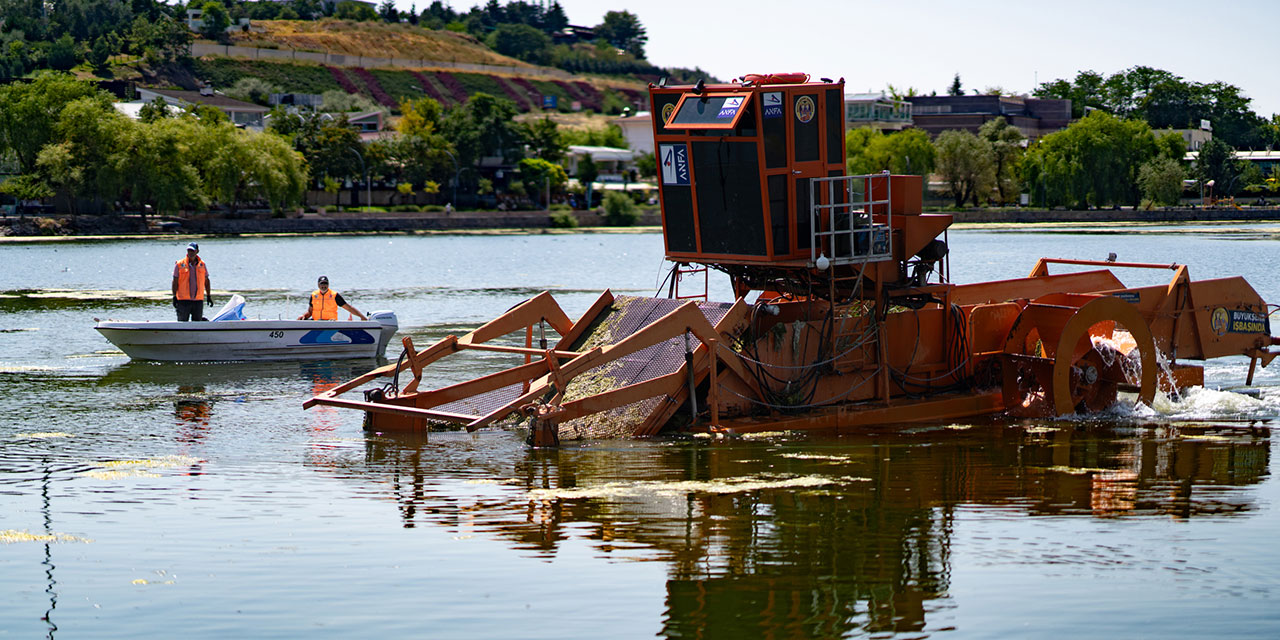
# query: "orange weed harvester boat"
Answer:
x=844 y=314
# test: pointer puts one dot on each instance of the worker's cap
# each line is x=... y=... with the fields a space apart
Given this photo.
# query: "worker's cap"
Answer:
x=193 y=247
x=323 y=280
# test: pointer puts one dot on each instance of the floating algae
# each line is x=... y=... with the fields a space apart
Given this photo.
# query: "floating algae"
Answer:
x=815 y=456
x=11 y=536
x=118 y=469
x=743 y=484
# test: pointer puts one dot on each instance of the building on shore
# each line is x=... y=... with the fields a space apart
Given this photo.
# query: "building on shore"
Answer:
x=876 y=110
x=637 y=129
x=241 y=113
x=1034 y=117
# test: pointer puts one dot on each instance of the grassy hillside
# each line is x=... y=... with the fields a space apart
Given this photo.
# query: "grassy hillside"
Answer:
x=390 y=86
x=377 y=39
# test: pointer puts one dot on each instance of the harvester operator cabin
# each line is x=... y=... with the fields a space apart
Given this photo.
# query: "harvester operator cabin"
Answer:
x=743 y=166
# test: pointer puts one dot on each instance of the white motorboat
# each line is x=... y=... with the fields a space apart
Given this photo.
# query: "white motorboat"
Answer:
x=226 y=338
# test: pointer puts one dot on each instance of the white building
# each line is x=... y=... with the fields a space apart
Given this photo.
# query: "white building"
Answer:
x=242 y=114
x=613 y=164
x=638 y=130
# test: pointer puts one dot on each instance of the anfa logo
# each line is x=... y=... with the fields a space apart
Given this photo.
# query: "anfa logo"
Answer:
x=772 y=104
x=675 y=164
x=805 y=109
x=1219 y=321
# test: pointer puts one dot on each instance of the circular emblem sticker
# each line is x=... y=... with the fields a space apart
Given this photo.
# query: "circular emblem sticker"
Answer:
x=1219 y=321
x=667 y=110
x=804 y=109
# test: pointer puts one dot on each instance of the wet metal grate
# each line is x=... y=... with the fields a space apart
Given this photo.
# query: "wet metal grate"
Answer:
x=623 y=318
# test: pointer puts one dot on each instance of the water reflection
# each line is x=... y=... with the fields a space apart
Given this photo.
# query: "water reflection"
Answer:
x=805 y=537
x=50 y=582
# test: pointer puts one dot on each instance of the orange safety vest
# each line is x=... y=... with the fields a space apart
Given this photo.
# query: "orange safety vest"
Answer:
x=324 y=306
x=184 y=279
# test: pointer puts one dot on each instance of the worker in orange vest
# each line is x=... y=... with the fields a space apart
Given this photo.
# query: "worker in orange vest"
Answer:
x=325 y=303
x=190 y=275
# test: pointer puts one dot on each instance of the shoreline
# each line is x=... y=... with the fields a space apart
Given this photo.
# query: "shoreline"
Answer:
x=102 y=228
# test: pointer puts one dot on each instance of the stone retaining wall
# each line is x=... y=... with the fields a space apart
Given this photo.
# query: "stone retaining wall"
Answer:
x=1031 y=216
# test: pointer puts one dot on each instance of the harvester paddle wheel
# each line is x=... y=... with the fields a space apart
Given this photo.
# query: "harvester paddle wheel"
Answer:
x=1071 y=353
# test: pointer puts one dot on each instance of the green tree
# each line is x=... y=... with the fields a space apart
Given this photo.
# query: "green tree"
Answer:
x=966 y=162
x=1006 y=147
x=1216 y=167
x=956 y=89
x=483 y=127
x=339 y=101
x=154 y=162
x=1172 y=146
x=88 y=130
x=537 y=174
x=544 y=139
x=620 y=210
x=647 y=165
x=902 y=152
x=623 y=30
x=214 y=20
x=1085 y=91
x=237 y=166
x=1161 y=180
x=587 y=174
x=417 y=160
x=555 y=18
x=29 y=112
x=355 y=11
x=154 y=110
x=856 y=144
x=1094 y=161
x=522 y=42
x=1165 y=100
x=419 y=117
x=99 y=53
x=63 y=53
x=387 y=11
x=253 y=89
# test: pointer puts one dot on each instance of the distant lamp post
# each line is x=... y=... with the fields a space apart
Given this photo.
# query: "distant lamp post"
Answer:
x=368 y=190
x=456 y=172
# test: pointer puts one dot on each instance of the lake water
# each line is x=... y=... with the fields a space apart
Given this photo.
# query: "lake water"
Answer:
x=152 y=501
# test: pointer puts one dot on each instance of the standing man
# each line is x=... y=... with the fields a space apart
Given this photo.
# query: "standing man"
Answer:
x=189 y=276
x=325 y=303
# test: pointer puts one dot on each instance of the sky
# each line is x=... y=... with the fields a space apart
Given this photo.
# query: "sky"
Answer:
x=925 y=43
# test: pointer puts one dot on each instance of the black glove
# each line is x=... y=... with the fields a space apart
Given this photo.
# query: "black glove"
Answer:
x=208 y=300
x=174 y=302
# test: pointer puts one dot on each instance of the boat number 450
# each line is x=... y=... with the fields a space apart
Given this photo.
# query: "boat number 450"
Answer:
x=277 y=334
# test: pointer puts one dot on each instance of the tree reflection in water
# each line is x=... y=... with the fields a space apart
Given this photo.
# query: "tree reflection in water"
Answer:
x=863 y=548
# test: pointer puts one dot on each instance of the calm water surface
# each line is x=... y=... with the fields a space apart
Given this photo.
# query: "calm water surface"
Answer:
x=148 y=500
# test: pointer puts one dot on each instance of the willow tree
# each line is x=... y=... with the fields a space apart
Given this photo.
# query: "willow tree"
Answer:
x=967 y=164
x=1006 y=152
x=238 y=166
x=1093 y=162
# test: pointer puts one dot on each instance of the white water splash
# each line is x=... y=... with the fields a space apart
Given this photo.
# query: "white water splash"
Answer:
x=1198 y=403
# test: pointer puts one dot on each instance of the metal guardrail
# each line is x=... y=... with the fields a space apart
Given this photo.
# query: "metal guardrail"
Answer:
x=842 y=227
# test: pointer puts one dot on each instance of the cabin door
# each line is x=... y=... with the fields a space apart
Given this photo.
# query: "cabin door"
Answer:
x=805 y=121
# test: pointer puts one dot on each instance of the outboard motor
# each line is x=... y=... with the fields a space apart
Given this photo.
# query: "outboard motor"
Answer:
x=389 y=326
